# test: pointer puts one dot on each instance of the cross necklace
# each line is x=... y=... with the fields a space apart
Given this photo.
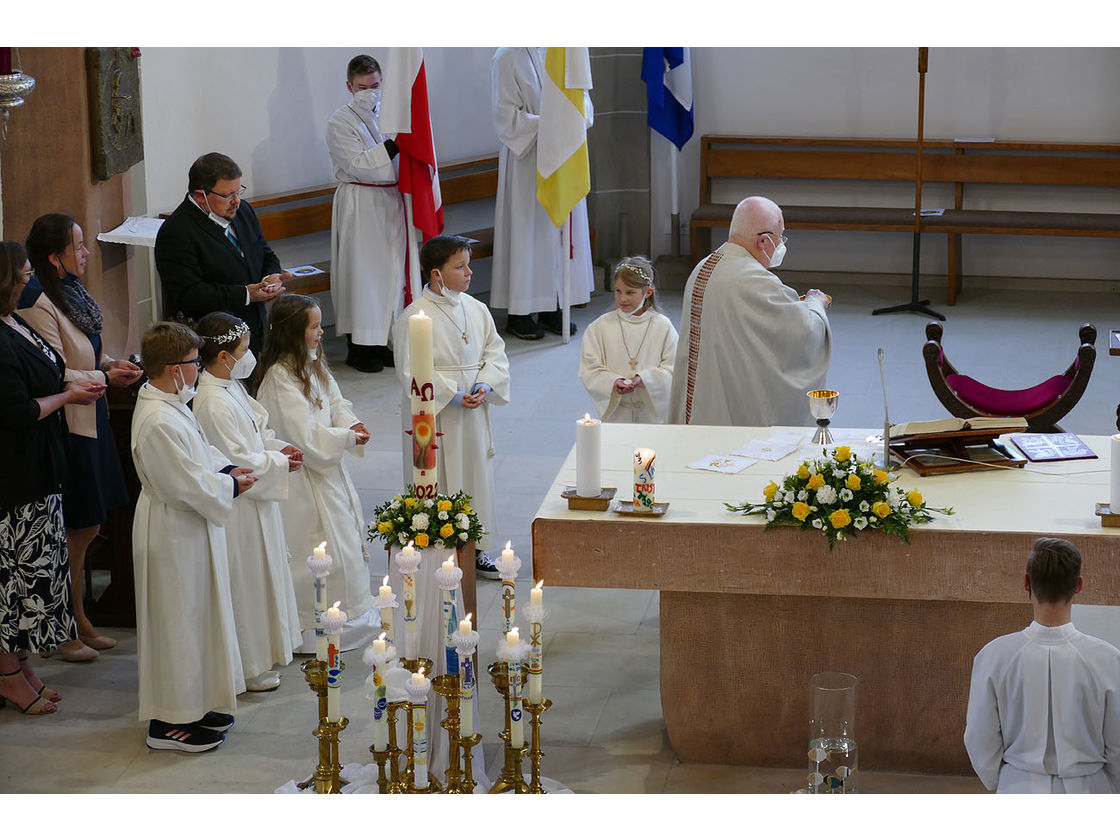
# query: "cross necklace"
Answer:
x=463 y=329
x=633 y=356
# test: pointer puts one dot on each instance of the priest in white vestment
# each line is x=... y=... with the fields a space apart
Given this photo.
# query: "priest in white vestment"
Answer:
x=1044 y=703
x=749 y=347
x=527 y=270
x=187 y=655
x=261 y=582
x=368 y=235
x=322 y=503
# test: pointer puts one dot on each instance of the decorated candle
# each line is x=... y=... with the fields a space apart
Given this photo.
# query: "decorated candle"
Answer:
x=535 y=614
x=513 y=669
x=588 y=481
x=465 y=645
x=418 y=686
x=448 y=576
x=643 y=479
x=319 y=563
x=379 y=646
x=333 y=621
x=421 y=354
x=385 y=592
x=408 y=562
x=508 y=566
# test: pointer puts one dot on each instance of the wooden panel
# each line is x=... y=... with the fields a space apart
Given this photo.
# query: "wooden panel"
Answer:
x=297 y=221
x=468 y=187
x=783 y=163
x=292 y=196
x=1022 y=169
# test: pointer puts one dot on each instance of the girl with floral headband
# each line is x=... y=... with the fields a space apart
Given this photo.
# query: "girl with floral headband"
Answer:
x=260 y=581
x=626 y=360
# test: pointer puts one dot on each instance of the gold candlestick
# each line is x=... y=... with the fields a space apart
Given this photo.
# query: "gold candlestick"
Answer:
x=535 y=711
x=447 y=686
x=315 y=672
x=467 y=744
x=510 y=777
x=328 y=778
x=396 y=779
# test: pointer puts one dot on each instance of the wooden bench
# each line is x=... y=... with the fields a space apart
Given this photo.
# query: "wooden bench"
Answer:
x=301 y=212
x=960 y=163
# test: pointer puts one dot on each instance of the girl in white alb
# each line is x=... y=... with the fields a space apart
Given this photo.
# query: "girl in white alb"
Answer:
x=626 y=360
x=260 y=580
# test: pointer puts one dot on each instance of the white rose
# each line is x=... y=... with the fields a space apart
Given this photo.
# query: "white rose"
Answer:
x=420 y=522
x=394 y=505
x=839 y=473
x=771 y=514
x=443 y=515
x=788 y=497
x=826 y=495
x=463 y=536
x=464 y=521
x=802 y=495
x=427 y=503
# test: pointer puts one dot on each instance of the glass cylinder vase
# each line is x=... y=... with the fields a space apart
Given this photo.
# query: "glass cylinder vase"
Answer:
x=833 y=747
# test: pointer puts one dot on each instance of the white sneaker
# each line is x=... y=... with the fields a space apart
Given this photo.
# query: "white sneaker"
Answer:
x=268 y=681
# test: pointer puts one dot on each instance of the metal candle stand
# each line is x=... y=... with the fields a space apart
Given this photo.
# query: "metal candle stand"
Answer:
x=535 y=711
x=458 y=781
x=510 y=777
x=327 y=777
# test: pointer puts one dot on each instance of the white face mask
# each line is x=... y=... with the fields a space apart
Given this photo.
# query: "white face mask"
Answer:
x=243 y=367
x=367 y=99
x=186 y=393
x=214 y=217
x=778 y=255
x=448 y=294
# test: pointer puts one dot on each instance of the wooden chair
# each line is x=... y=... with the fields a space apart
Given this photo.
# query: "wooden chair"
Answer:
x=1042 y=405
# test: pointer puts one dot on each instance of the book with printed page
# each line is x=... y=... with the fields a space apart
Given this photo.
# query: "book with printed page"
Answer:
x=1063 y=446
x=956 y=424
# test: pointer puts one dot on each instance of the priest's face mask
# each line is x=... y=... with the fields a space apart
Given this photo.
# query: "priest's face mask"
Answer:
x=630 y=298
x=774 y=247
x=455 y=274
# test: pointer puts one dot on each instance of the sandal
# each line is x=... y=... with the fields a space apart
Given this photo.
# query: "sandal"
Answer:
x=38 y=706
x=48 y=694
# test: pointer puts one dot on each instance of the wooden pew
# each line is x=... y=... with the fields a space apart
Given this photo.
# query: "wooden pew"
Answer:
x=301 y=212
x=943 y=161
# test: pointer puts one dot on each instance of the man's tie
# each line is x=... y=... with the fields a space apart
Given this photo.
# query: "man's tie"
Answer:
x=233 y=239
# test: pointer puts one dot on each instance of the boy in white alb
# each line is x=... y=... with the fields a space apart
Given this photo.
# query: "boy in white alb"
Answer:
x=1044 y=704
x=186 y=641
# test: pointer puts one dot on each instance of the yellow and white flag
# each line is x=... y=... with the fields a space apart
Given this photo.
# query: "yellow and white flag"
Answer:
x=563 y=171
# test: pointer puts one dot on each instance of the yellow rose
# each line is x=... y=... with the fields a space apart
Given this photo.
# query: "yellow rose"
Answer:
x=840 y=518
x=854 y=482
x=769 y=490
x=881 y=477
x=914 y=498
x=421 y=540
x=384 y=527
x=842 y=453
x=447 y=530
x=443 y=504
x=803 y=471
x=816 y=480
x=800 y=511
x=881 y=509
x=467 y=510
x=410 y=503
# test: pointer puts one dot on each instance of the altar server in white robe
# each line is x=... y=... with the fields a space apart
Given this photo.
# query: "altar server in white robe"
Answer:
x=187 y=654
x=261 y=582
x=1044 y=704
x=626 y=357
x=306 y=408
x=472 y=373
x=368 y=235
x=749 y=347
x=527 y=269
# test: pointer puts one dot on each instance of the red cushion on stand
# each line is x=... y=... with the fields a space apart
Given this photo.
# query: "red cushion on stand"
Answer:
x=1007 y=403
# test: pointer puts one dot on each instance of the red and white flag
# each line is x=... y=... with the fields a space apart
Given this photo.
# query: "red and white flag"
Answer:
x=404 y=112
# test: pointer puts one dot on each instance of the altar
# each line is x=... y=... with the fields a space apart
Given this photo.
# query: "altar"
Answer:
x=748 y=615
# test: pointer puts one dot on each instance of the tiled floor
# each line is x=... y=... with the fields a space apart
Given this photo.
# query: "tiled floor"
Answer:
x=604 y=733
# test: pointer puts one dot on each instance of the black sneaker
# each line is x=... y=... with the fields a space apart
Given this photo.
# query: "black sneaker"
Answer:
x=185 y=737
x=384 y=355
x=524 y=327
x=484 y=566
x=553 y=322
x=363 y=359
x=216 y=721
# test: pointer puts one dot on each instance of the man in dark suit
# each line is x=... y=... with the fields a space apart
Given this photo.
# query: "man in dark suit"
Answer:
x=211 y=254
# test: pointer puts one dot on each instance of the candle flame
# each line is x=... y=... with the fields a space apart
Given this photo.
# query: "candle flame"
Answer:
x=508 y=544
x=409 y=544
x=452 y=557
x=540 y=583
x=420 y=672
x=381 y=638
x=336 y=603
x=385 y=581
x=586 y=417
x=468 y=618
x=421 y=314
x=323 y=545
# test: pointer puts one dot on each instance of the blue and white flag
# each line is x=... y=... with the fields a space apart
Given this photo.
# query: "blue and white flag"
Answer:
x=667 y=72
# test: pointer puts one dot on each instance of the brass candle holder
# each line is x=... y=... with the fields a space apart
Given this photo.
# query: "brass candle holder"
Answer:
x=328 y=775
x=315 y=673
x=447 y=686
x=510 y=777
x=467 y=744
x=396 y=778
x=535 y=711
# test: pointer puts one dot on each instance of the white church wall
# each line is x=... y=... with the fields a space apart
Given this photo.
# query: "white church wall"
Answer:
x=1060 y=95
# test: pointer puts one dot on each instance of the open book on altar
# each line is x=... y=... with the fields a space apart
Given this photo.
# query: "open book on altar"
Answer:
x=956 y=424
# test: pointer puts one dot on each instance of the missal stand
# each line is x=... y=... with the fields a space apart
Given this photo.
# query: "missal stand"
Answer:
x=915 y=305
x=966 y=450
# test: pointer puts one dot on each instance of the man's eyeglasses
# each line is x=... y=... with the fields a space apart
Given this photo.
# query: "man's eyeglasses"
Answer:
x=783 y=238
x=227 y=196
x=196 y=361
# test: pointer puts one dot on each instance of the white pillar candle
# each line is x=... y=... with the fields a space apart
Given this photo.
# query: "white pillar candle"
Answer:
x=386 y=591
x=380 y=696
x=408 y=561
x=333 y=621
x=418 y=686
x=513 y=669
x=535 y=614
x=508 y=566
x=319 y=563
x=588 y=480
x=643 y=479
x=421 y=360
x=1114 y=484
x=466 y=678
x=465 y=626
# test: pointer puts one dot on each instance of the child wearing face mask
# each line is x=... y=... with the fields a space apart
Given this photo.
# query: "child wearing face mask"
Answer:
x=187 y=653
x=261 y=582
x=306 y=407
x=626 y=357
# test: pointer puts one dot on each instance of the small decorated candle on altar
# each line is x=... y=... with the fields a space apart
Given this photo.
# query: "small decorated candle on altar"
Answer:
x=333 y=621
x=643 y=479
x=466 y=677
x=319 y=563
x=417 y=687
x=588 y=481
x=385 y=592
x=508 y=566
x=508 y=555
x=535 y=614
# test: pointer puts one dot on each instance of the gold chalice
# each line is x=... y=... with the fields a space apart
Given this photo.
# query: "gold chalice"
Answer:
x=822 y=405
